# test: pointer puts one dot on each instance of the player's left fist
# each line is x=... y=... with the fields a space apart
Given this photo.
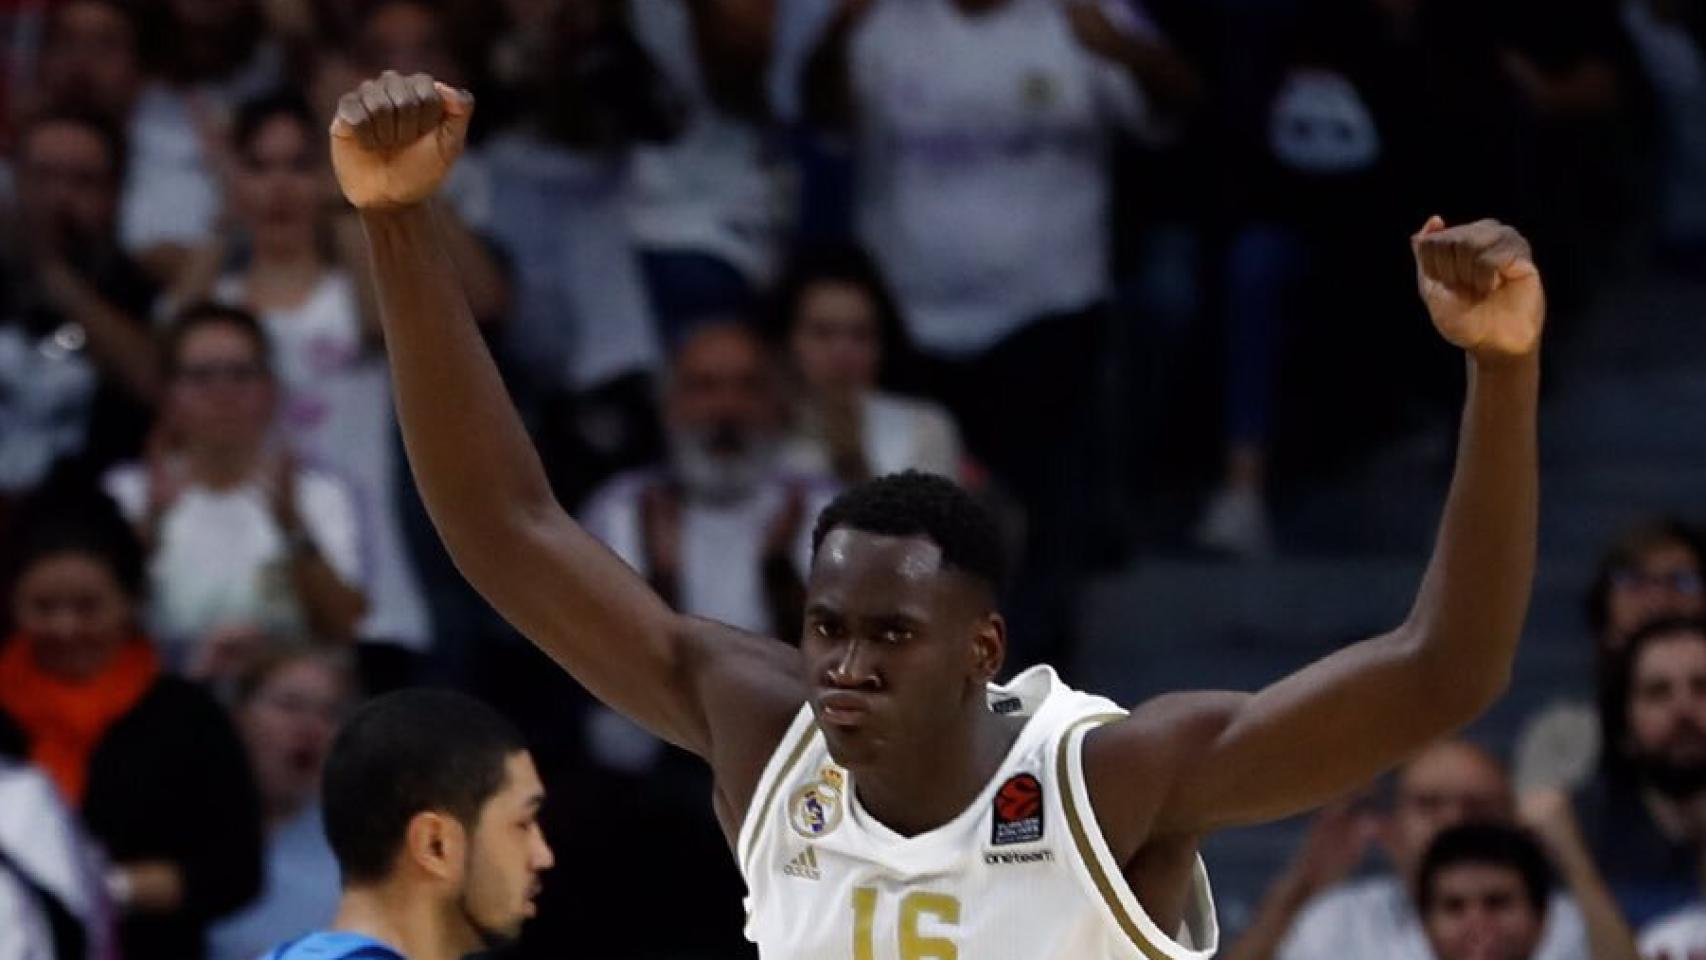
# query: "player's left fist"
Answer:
x=1481 y=287
x=395 y=139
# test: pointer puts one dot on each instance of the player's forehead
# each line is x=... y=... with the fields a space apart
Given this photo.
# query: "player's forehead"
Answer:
x=847 y=555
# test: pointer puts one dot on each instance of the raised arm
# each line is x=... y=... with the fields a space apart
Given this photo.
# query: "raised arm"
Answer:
x=1190 y=763
x=686 y=681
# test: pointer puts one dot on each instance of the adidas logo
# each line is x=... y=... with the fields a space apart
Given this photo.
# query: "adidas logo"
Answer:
x=804 y=866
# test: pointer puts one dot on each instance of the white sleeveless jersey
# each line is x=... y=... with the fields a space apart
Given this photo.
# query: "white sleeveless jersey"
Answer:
x=1022 y=874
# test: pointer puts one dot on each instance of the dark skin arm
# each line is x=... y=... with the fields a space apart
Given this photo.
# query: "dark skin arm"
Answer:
x=722 y=694
x=1183 y=765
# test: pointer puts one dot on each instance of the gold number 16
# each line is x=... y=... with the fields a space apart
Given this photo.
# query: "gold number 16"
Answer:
x=913 y=907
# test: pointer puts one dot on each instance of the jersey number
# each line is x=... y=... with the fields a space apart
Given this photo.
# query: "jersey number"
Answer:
x=944 y=909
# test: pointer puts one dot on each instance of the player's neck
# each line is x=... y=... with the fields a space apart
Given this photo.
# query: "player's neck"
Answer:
x=920 y=792
x=402 y=919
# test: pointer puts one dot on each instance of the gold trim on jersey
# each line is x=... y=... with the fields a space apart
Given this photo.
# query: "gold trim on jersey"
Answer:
x=1086 y=853
x=776 y=787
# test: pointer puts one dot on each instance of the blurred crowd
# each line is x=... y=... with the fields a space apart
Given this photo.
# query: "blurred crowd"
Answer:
x=733 y=255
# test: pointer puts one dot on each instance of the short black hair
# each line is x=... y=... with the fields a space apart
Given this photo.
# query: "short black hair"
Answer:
x=209 y=314
x=915 y=504
x=1486 y=844
x=403 y=754
x=73 y=518
x=254 y=114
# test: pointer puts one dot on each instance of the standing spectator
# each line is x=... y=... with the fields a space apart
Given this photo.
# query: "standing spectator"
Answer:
x=1654 y=570
x=243 y=541
x=289 y=704
x=1643 y=816
x=78 y=370
x=203 y=58
x=706 y=205
x=53 y=903
x=337 y=398
x=83 y=690
x=91 y=59
x=1313 y=913
x=843 y=336
x=982 y=131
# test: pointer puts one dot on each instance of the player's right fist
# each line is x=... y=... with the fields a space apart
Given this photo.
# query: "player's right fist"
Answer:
x=395 y=139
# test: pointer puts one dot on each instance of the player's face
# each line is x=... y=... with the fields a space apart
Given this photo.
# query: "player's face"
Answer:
x=1667 y=711
x=1482 y=912
x=74 y=613
x=1448 y=784
x=890 y=643
x=1664 y=582
x=507 y=853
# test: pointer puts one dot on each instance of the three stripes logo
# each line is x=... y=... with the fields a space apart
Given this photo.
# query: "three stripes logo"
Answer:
x=803 y=866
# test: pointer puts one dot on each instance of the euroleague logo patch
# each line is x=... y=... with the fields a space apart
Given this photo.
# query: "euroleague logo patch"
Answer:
x=1018 y=811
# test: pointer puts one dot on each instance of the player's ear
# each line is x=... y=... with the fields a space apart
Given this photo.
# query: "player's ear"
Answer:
x=437 y=844
x=989 y=646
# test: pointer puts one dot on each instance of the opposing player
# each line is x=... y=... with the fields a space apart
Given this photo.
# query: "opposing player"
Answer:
x=883 y=800
x=431 y=805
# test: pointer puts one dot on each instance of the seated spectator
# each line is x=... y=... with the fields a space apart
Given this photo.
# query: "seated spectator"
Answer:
x=839 y=326
x=243 y=540
x=289 y=705
x=1653 y=571
x=337 y=410
x=1313 y=913
x=720 y=531
x=53 y=902
x=1643 y=815
x=91 y=58
x=149 y=760
x=78 y=369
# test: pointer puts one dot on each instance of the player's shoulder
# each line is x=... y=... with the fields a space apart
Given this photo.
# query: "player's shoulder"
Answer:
x=334 y=945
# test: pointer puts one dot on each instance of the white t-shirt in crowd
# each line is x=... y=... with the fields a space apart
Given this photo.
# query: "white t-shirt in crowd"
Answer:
x=220 y=559
x=338 y=414
x=24 y=930
x=722 y=544
x=900 y=433
x=1375 y=918
x=581 y=315
x=1677 y=936
x=983 y=149
x=46 y=396
x=712 y=189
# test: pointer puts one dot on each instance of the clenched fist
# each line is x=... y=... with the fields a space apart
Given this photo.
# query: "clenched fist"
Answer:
x=395 y=139
x=1481 y=287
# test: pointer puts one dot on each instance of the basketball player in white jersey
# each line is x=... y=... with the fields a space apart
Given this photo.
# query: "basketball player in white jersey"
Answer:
x=884 y=802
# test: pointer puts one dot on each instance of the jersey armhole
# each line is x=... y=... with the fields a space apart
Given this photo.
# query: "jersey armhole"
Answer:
x=1105 y=878
x=786 y=756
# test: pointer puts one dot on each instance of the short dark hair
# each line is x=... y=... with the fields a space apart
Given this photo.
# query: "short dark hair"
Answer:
x=108 y=132
x=915 y=504
x=1486 y=844
x=254 y=114
x=73 y=519
x=209 y=314
x=403 y=754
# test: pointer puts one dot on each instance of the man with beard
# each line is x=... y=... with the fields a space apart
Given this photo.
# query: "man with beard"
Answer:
x=78 y=368
x=431 y=803
x=1645 y=826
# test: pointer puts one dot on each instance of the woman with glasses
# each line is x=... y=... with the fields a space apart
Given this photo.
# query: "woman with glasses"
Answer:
x=243 y=541
x=289 y=705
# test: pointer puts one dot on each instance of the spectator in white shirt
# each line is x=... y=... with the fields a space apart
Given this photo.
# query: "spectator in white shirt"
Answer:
x=843 y=337
x=1312 y=913
x=48 y=864
x=982 y=132
x=243 y=539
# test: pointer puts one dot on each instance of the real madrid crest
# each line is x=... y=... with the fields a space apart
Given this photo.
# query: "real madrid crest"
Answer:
x=815 y=809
